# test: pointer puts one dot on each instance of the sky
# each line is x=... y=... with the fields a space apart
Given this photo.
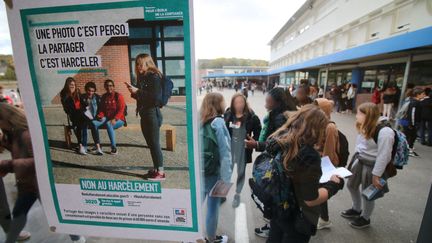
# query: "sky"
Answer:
x=223 y=28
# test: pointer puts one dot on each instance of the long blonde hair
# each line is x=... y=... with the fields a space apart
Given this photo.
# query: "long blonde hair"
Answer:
x=372 y=114
x=147 y=60
x=211 y=106
x=13 y=116
x=304 y=127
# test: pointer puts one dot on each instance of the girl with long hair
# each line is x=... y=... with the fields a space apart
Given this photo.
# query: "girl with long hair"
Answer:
x=297 y=139
x=70 y=98
x=241 y=122
x=374 y=147
x=216 y=158
x=148 y=95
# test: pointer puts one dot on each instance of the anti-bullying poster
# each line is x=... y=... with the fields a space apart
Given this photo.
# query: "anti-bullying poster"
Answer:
x=118 y=167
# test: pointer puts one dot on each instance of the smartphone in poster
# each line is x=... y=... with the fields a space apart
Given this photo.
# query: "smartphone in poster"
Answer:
x=108 y=91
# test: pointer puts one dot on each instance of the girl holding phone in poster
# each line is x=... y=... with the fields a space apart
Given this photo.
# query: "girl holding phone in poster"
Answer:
x=149 y=95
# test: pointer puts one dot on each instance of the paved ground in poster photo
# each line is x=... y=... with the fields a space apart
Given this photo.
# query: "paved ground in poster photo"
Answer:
x=396 y=218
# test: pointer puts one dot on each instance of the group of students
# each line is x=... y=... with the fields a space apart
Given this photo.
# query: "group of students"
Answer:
x=91 y=111
x=343 y=97
x=302 y=131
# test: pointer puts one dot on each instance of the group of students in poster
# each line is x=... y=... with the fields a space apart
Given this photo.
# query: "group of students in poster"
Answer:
x=92 y=111
x=301 y=129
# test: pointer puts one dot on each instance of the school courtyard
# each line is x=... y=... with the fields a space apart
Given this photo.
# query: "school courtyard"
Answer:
x=397 y=216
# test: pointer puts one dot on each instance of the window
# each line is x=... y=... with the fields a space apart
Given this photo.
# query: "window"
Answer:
x=164 y=41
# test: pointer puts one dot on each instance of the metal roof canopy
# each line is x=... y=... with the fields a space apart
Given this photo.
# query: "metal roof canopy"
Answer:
x=392 y=46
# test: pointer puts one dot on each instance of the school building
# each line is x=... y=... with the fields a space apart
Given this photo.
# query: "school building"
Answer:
x=358 y=41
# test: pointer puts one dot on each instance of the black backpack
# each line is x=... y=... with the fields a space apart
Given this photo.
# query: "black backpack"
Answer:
x=125 y=113
x=343 y=153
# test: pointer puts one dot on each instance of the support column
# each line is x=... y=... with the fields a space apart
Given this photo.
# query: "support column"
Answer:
x=405 y=80
x=357 y=76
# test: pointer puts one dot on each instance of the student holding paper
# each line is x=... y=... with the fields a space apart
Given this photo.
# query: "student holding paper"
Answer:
x=330 y=148
x=368 y=164
x=216 y=158
x=297 y=139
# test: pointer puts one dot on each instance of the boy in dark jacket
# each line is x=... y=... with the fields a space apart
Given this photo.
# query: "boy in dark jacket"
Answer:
x=414 y=118
x=426 y=118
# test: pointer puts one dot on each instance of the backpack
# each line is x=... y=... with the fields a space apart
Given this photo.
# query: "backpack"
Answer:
x=402 y=113
x=125 y=113
x=272 y=190
x=400 y=150
x=167 y=87
x=343 y=153
x=210 y=149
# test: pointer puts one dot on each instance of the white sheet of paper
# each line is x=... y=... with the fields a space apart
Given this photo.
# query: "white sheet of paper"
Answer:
x=88 y=113
x=328 y=170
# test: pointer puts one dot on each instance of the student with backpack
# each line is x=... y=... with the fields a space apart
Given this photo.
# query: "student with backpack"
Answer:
x=335 y=146
x=412 y=118
x=152 y=93
x=216 y=158
x=294 y=218
x=370 y=163
x=426 y=119
x=241 y=122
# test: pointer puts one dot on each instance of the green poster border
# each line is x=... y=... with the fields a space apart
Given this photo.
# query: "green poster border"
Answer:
x=184 y=6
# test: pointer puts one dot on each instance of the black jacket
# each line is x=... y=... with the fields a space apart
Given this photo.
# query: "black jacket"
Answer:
x=426 y=111
x=149 y=94
x=414 y=112
x=253 y=129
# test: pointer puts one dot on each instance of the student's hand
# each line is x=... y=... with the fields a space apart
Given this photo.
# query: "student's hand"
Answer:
x=250 y=143
x=376 y=182
x=5 y=167
x=131 y=89
x=335 y=178
x=113 y=122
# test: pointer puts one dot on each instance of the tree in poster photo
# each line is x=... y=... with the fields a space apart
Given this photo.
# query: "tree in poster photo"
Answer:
x=149 y=100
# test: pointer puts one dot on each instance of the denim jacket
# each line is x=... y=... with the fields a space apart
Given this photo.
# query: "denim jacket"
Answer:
x=224 y=146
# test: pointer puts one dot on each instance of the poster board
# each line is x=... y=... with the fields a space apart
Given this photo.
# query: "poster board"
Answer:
x=95 y=41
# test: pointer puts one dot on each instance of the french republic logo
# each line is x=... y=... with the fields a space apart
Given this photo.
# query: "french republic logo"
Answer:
x=180 y=215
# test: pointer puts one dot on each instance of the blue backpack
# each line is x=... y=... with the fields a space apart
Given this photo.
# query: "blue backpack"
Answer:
x=167 y=87
x=272 y=190
x=400 y=151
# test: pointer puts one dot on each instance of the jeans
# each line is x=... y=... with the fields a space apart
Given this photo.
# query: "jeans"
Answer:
x=241 y=171
x=359 y=202
x=94 y=132
x=151 y=121
x=324 y=211
x=411 y=135
x=426 y=128
x=285 y=233
x=110 y=128
x=19 y=215
x=213 y=204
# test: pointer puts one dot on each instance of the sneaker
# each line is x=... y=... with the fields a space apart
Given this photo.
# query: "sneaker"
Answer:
x=114 y=151
x=322 y=224
x=263 y=231
x=157 y=176
x=236 y=201
x=413 y=154
x=350 y=213
x=219 y=239
x=82 y=150
x=98 y=151
x=360 y=223
x=81 y=240
x=24 y=235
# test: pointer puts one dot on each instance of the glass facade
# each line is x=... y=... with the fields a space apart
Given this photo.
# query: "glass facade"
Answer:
x=164 y=41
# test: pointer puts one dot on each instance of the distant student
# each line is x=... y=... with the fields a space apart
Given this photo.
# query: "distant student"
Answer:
x=426 y=118
x=368 y=164
x=389 y=97
x=242 y=123
x=4 y=98
x=413 y=119
x=216 y=158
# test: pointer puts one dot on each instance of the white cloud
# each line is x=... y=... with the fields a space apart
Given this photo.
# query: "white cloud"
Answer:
x=223 y=28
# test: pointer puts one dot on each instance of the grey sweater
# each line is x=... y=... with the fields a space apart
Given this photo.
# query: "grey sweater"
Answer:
x=380 y=153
